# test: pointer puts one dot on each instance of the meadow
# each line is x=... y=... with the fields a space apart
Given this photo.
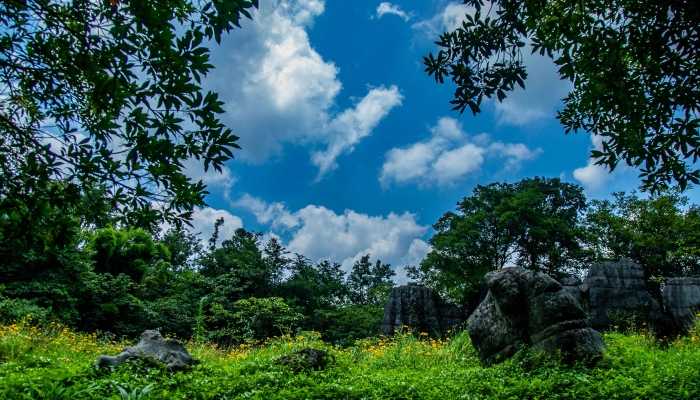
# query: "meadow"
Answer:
x=53 y=362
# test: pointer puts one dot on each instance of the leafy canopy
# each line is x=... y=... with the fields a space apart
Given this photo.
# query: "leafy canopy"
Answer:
x=535 y=223
x=633 y=65
x=660 y=233
x=110 y=93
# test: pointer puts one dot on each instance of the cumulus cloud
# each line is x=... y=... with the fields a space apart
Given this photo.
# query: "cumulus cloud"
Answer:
x=386 y=8
x=215 y=180
x=320 y=233
x=593 y=177
x=540 y=99
x=202 y=224
x=274 y=214
x=447 y=19
x=448 y=156
x=278 y=89
x=203 y=220
x=352 y=125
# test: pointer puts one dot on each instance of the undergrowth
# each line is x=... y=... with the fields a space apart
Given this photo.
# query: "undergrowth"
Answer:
x=53 y=362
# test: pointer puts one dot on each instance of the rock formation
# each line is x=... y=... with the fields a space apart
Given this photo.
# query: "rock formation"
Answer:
x=616 y=293
x=306 y=359
x=420 y=309
x=152 y=346
x=526 y=308
x=681 y=298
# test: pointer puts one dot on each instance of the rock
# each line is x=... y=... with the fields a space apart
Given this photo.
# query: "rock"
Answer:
x=681 y=298
x=152 y=346
x=616 y=293
x=419 y=308
x=525 y=308
x=572 y=284
x=306 y=359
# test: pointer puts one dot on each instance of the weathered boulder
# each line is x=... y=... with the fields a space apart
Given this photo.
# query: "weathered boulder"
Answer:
x=572 y=284
x=526 y=308
x=419 y=308
x=306 y=359
x=153 y=347
x=681 y=298
x=616 y=293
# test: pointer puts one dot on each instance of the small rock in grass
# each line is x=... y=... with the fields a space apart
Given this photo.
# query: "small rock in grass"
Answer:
x=306 y=359
x=152 y=347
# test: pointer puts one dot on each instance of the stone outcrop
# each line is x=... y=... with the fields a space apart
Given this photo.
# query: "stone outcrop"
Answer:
x=420 y=309
x=525 y=308
x=681 y=298
x=572 y=284
x=152 y=347
x=306 y=359
x=616 y=293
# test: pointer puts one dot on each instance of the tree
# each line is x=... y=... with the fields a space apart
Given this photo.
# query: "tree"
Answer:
x=313 y=287
x=110 y=92
x=125 y=251
x=369 y=283
x=535 y=223
x=239 y=262
x=184 y=248
x=632 y=63
x=660 y=233
x=276 y=260
x=41 y=262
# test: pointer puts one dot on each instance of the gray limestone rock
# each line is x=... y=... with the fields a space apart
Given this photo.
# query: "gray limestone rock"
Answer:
x=526 y=308
x=420 y=309
x=152 y=346
x=616 y=293
x=681 y=297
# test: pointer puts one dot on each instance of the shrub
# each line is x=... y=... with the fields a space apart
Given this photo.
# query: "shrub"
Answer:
x=250 y=320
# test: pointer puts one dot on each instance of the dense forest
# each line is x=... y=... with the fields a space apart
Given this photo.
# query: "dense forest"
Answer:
x=65 y=258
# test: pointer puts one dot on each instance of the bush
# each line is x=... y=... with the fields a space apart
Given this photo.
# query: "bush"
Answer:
x=344 y=325
x=14 y=310
x=250 y=320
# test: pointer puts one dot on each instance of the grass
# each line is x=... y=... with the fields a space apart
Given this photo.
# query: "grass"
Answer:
x=56 y=363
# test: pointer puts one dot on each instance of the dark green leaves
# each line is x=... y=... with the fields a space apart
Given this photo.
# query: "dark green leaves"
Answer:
x=633 y=65
x=94 y=93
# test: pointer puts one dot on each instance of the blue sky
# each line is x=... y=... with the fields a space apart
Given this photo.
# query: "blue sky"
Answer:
x=348 y=147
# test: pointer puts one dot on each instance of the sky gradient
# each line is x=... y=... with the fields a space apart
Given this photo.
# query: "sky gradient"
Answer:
x=348 y=147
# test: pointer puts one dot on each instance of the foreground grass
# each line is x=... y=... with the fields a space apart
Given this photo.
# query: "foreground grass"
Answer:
x=56 y=363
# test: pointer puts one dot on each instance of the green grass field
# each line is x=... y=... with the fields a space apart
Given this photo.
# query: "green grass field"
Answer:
x=56 y=363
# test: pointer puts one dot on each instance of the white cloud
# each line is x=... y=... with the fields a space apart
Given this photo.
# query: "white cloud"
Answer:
x=540 y=99
x=447 y=19
x=203 y=220
x=386 y=8
x=453 y=164
x=274 y=214
x=320 y=233
x=593 y=177
x=354 y=124
x=448 y=156
x=216 y=181
x=513 y=153
x=278 y=89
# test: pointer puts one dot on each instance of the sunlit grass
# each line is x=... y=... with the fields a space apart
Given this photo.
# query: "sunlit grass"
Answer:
x=56 y=363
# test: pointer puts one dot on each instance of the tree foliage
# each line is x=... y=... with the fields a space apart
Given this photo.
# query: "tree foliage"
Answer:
x=660 y=233
x=110 y=93
x=369 y=284
x=632 y=64
x=534 y=223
